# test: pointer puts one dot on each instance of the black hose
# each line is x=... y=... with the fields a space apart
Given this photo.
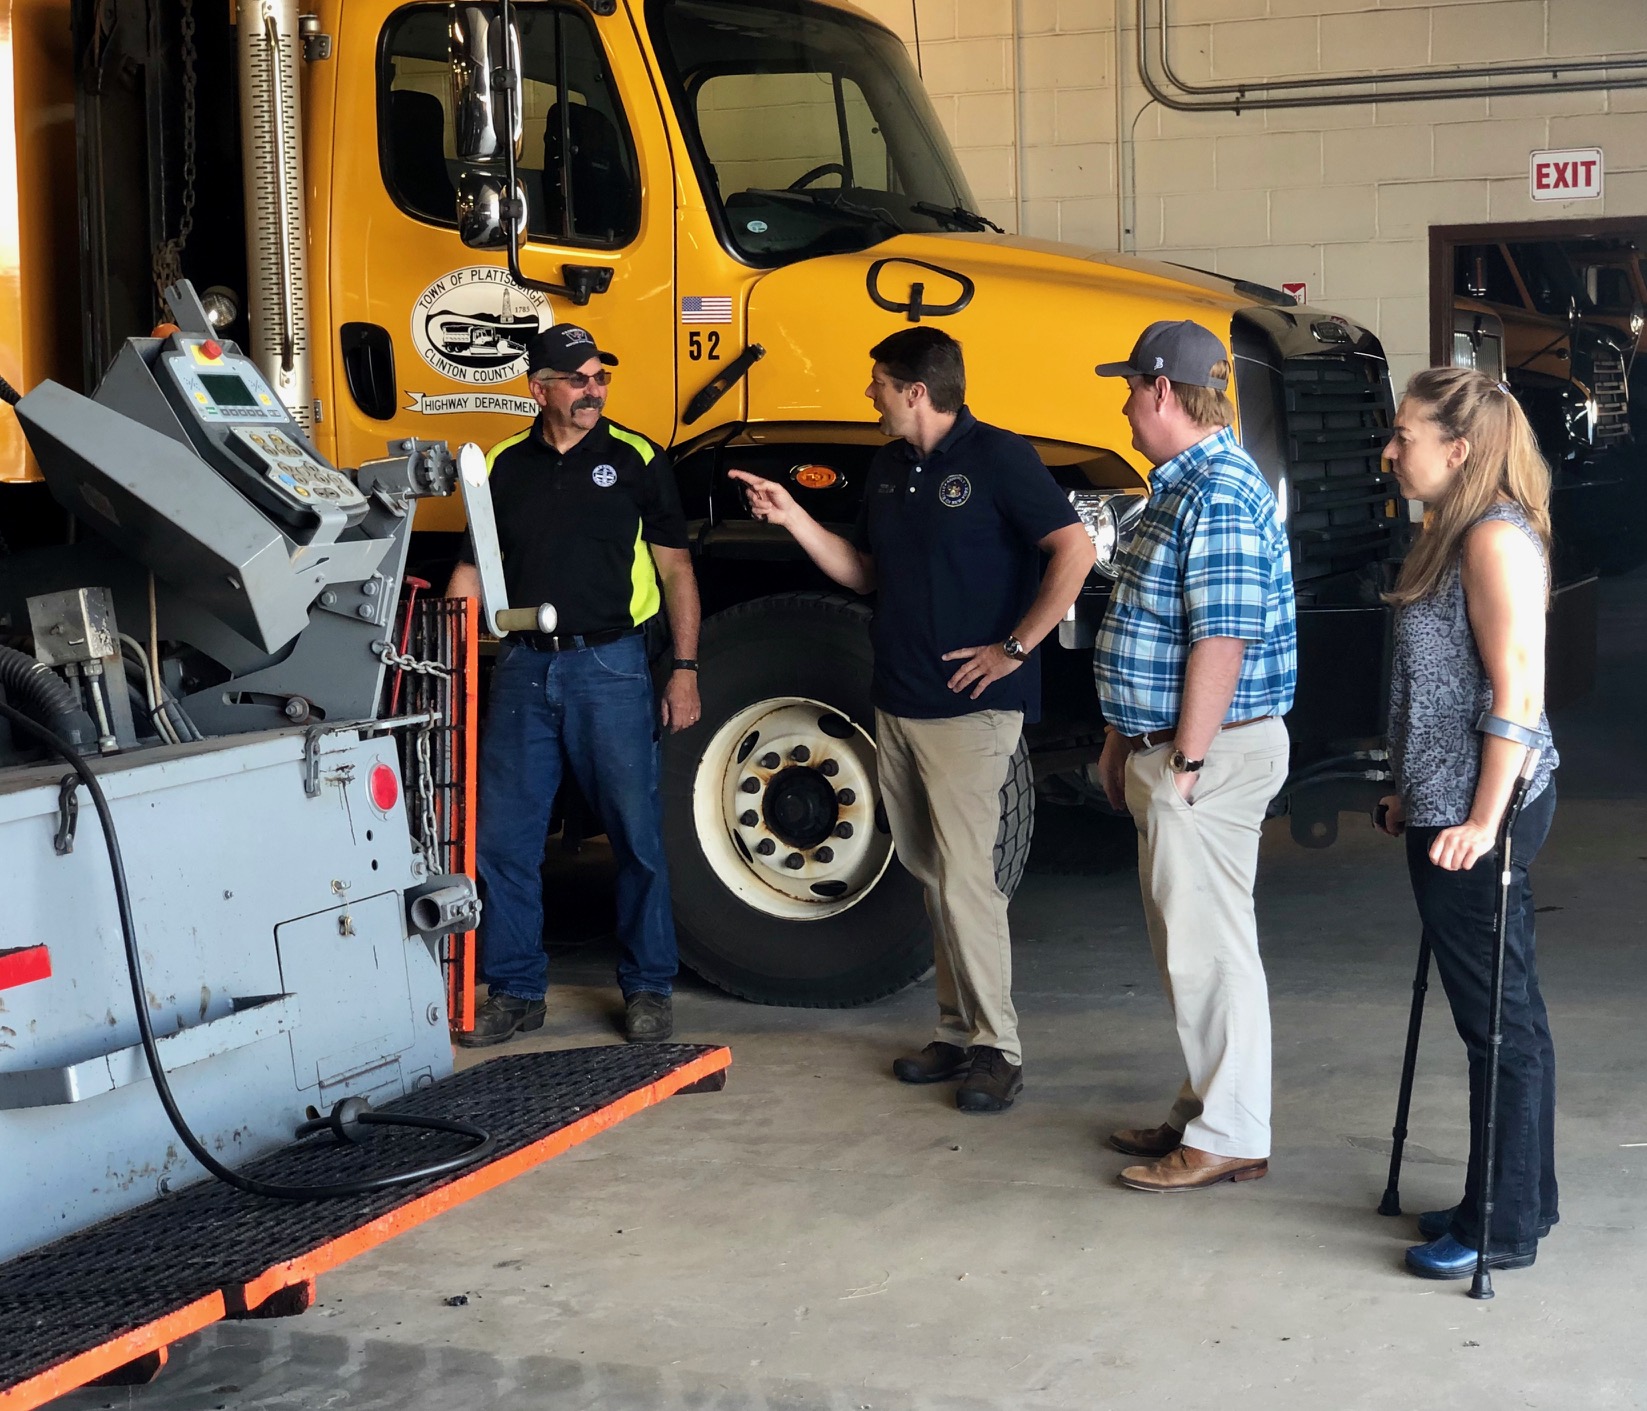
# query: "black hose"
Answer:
x=9 y=394
x=485 y=1143
x=46 y=698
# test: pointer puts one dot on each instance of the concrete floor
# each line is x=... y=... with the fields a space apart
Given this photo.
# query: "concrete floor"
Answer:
x=818 y=1236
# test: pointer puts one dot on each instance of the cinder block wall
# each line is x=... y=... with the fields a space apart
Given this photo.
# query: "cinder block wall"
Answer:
x=1341 y=198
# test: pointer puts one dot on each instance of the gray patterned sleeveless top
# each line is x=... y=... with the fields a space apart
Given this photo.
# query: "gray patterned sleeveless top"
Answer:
x=1438 y=689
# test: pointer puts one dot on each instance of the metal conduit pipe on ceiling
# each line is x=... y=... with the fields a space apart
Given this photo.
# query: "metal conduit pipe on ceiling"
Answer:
x=1441 y=83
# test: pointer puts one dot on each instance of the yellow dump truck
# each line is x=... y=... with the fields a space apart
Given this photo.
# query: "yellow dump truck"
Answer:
x=382 y=201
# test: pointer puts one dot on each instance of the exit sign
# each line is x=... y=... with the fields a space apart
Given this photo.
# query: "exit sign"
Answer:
x=1566 y=176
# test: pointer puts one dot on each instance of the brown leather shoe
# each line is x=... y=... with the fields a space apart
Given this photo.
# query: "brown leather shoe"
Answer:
x=1189 y=1169
x=1152 y=1142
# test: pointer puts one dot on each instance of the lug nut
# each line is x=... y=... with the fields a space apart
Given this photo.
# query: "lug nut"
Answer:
x=824 y=855
x=847 y=796
x=749 y=818
x=843 y=830
x=800 y=754
x=794 y=861
x=751 y=785
x=829 y=769
x=766 y=847
x=769 y=760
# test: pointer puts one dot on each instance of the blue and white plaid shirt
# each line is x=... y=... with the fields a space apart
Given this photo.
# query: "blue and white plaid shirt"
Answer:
x=1209 y=559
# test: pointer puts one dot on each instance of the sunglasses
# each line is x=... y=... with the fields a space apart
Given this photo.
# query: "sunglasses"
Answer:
x=581 y=380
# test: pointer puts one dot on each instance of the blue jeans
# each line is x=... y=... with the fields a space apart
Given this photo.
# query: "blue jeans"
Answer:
x=1457 y=909
x=594 y=709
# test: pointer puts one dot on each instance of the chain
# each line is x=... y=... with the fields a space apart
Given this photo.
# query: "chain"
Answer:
x=427 y=822
x=168 y=257
x=390 y=657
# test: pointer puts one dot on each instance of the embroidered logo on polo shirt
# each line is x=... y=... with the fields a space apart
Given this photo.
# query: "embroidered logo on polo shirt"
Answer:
x=954 y=492
x=604 y=476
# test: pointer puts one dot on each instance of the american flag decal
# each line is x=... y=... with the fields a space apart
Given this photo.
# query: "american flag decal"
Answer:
x=696 y=308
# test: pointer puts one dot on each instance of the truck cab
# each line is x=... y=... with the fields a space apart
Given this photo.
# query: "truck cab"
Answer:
x=738 y=198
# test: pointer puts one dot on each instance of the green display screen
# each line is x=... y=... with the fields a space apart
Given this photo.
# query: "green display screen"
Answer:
x=227 y=390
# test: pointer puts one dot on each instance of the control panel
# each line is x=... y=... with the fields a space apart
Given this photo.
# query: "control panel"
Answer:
x=239 y=426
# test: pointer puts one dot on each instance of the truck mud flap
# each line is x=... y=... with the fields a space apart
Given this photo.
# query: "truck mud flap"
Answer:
x=101 y=1306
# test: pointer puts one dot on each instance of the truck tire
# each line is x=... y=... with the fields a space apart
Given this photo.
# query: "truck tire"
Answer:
x=785 y=885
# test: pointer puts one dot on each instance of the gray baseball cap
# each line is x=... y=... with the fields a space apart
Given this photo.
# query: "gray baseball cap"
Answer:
x=1179 y=351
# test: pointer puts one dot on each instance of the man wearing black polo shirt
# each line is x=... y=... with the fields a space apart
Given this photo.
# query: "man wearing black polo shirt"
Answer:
x=588 y=519
x=955 y=519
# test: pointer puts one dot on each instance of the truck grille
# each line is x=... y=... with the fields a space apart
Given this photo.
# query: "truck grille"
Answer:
x=1337 y=422
x=1610 y=388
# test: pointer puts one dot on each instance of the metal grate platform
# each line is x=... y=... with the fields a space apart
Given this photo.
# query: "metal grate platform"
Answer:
x=83 y=1306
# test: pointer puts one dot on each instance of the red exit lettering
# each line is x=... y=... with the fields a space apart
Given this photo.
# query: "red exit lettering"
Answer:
x=1578 y=173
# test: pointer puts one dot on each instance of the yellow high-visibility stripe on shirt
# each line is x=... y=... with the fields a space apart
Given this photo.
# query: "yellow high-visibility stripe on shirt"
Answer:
x=644 y=598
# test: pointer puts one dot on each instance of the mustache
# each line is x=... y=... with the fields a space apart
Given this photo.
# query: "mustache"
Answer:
x=587 y=403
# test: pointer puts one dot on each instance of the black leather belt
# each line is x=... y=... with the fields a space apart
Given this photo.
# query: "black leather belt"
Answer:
x=572 y=641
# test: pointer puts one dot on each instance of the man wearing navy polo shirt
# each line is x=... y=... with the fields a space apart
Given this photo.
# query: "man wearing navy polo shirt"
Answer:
x=955 y=520
x=1196 y=663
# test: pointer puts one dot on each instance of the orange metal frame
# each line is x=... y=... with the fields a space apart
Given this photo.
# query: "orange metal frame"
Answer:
x=305 y=1268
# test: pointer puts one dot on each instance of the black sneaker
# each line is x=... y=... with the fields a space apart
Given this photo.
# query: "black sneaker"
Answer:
x=501 y=1017
x=648 y=1017
x=991 y=1083
x=934 y=1063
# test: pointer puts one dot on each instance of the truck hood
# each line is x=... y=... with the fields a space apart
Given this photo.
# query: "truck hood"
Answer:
x=1034 y=317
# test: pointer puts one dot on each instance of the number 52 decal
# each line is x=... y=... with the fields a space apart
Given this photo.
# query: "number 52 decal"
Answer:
x=701 y=345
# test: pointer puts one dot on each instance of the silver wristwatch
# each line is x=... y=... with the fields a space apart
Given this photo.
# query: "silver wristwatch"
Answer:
x=1179 y=765
x=1014 y=649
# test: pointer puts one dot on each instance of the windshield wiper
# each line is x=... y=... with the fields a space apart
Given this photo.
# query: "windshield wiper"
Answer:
x=964 y=219
x=833 y=201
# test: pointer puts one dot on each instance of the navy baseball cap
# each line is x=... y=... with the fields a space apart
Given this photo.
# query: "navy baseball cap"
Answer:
x=563 y=348
x=1179 y=351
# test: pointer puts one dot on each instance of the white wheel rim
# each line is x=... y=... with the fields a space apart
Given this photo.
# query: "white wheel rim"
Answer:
x=768 y=843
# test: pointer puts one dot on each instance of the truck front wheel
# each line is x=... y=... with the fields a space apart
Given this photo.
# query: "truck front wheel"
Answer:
x=787 y=889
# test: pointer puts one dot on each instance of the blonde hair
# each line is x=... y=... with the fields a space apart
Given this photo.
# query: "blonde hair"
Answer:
x=1503 y=462
x=1206 y=406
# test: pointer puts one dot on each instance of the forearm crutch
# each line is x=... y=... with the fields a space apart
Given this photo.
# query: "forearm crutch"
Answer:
x=1481 y=1286
x=1391 y=1203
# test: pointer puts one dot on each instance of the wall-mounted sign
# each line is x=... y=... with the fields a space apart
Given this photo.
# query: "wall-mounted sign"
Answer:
x=1297 y=289
x=1573 y=175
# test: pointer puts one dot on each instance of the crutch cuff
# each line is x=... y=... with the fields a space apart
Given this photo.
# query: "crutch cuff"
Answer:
x=1490 y=724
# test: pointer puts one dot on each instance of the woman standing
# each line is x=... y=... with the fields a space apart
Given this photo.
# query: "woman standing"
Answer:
x=1466 y=701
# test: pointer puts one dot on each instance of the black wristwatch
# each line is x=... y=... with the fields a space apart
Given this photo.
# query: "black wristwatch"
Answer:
x=1014 y=649
x=1180 y=765
x=684 y=664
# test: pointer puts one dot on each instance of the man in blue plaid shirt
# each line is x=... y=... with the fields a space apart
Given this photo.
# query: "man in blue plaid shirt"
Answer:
x=1196 y=664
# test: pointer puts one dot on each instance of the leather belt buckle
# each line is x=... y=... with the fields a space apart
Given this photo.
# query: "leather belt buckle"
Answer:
x=1148 y=740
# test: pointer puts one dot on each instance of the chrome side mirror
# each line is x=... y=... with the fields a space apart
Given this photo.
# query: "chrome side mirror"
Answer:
x=478 y=50
x=480 y=211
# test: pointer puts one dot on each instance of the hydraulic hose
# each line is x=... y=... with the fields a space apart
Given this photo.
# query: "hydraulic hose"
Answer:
x=350 y=1110
x=45 y=697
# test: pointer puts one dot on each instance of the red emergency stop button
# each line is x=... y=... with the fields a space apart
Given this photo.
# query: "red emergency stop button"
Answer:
x=212 y=348
x=384 y=787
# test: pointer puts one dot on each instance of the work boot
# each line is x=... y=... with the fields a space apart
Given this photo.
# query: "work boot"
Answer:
x=934 y=1063
x=648 y=1017
x=501 y=1017
x=991 y=1082
x=1153 y=1142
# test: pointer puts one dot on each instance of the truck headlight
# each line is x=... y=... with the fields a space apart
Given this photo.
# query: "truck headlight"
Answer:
x=1110 y=517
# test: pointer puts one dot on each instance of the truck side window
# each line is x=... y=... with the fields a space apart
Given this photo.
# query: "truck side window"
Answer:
x=577 y=160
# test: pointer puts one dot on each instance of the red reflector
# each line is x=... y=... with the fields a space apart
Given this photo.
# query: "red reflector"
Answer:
x=24 y=965
x=384 y=786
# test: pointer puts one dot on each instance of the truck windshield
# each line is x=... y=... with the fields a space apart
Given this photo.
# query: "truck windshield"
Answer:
x=811 y=132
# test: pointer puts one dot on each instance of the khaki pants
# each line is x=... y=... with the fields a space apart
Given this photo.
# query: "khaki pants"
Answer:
x=1197 y=863
x=941 y=782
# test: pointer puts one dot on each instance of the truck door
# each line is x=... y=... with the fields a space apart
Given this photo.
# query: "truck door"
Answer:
x=430 y=336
